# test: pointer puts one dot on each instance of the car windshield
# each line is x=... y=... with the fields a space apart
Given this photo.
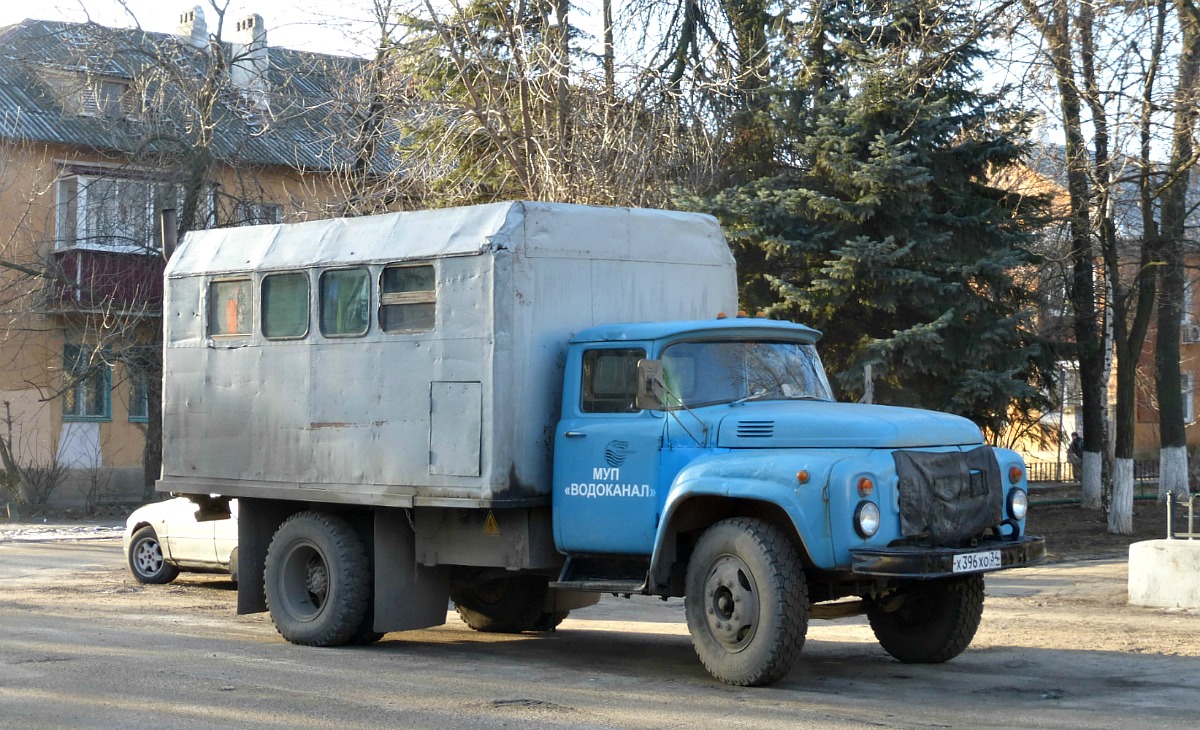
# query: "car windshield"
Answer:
x=705 y=373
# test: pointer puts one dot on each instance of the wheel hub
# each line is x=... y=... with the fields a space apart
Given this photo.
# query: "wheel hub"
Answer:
x=148 y=556
x=317 y=580
x=732 y=604
x=304 y=582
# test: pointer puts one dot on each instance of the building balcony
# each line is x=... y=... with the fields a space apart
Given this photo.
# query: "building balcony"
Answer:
x=117 y=283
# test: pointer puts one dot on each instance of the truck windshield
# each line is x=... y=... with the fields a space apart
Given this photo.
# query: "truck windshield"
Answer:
x=706 y=373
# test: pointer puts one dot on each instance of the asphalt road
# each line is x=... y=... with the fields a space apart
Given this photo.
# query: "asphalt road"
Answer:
x=83 y=646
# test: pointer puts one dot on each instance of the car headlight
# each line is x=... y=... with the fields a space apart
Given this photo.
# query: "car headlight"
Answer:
x=866 y=518
x=1018 y=504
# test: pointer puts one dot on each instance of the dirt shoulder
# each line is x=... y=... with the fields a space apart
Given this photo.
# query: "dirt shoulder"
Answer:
x=1073 y=533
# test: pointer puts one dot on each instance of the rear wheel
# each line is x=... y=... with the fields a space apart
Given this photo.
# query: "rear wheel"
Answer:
x=146 y=560
x=929 y=622
x=746 y=602
x=506 y=605
x=318 y=581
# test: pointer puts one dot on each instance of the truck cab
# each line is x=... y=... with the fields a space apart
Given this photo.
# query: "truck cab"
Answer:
x=674 y=432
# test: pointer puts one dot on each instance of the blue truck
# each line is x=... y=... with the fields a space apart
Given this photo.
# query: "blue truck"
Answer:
x=520 y=407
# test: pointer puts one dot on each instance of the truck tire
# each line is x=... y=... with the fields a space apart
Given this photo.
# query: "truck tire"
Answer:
x=746 y=602
x=318 y=580
x=932 y=623
x=146 y=560
x=505 y=605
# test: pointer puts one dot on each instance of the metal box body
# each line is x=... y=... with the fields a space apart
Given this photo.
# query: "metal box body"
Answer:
x=460 y=415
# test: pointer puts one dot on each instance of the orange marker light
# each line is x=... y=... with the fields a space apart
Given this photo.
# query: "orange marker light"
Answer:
x=865 y=487
x=1015 y=473
x=721 y=315
x=802 y=476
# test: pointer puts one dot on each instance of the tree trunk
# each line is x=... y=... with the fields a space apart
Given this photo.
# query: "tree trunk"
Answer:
x=1173 y=457
x=1120 y=513
x=610 y=70
x=152 y=448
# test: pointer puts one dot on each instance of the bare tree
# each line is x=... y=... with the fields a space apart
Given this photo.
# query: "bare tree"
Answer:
x=1120 y=208
x=493 y=100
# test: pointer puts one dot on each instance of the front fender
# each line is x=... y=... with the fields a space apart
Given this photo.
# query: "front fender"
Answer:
x=767 y=476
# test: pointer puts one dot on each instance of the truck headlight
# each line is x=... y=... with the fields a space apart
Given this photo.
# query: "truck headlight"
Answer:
x=1018 y=504
x=866 y=518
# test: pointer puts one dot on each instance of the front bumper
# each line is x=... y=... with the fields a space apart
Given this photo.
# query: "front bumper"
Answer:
x=929 y=562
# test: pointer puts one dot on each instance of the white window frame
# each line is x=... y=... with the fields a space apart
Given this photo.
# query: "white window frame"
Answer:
x=72 y=217
x=1185 y=314
x=258 y=214
x=1186 y=387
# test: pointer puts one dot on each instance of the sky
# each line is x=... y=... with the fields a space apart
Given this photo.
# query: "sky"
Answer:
x=326 y=26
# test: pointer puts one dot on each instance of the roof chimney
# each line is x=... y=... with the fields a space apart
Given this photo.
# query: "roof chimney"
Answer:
x=192 y=29
x=250 y=63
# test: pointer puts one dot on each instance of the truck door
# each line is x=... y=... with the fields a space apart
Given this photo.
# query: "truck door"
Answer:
x=606 y=455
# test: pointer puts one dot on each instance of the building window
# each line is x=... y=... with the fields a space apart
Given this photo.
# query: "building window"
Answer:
x=230 y=306
x=141 y=363
x=86 y=95
x=610 y=380
x=1189 y=408
x=257 y=214
x=87 y=378
x=285 y=306
x=112 y=213
x=1185 y=306
x=139 y=397
x=108 y=98
x=407 y=299
x=345 y=302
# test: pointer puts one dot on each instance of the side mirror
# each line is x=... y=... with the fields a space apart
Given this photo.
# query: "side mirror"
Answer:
x=649 y=385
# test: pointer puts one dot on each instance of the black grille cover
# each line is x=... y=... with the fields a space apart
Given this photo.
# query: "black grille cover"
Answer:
x=948 y=498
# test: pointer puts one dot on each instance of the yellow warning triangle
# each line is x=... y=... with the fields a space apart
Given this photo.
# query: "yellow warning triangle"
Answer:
x=490 y=527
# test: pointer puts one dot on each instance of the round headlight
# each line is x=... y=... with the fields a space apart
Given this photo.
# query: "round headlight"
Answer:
x=866 y=519
x=1018 y=504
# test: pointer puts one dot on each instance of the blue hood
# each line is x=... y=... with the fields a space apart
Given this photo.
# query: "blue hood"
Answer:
x=821 y=424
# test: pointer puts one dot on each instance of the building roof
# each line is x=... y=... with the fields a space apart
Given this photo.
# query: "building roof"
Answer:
x=304 y=123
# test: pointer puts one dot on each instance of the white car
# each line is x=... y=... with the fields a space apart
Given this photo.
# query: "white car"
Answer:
x=164 y=538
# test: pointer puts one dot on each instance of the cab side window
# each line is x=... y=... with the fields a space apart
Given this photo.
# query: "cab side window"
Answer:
x=610 y=380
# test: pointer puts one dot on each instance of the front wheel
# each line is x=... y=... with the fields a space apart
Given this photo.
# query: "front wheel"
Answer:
x=318 y=581
x=746 y=602
x=929 y=623
x=146 y=560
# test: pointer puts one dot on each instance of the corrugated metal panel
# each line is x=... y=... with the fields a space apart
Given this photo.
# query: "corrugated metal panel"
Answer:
x=307 y=126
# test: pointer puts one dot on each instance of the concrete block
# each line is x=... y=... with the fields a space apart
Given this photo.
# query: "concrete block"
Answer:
x=1165 y=573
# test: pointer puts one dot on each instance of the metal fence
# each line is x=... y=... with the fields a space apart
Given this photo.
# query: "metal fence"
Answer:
x=1061 y=472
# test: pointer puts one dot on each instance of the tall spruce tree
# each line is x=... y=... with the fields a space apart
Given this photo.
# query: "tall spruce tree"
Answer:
x=880 y=226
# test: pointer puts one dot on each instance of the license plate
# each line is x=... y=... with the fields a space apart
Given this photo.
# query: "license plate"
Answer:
x=971 y=562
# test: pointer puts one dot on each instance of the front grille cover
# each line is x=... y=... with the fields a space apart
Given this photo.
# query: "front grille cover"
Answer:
x=948 y=498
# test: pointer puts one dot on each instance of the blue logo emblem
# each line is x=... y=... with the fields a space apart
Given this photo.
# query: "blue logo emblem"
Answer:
x=616 y=452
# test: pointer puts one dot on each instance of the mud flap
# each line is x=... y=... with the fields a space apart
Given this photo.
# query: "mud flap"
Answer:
x=407 y=595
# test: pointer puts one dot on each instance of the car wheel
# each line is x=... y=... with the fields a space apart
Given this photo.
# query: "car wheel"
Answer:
x=746 y=602
x=146 y=560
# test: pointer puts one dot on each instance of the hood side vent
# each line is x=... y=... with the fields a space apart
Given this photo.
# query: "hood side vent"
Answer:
x=756 y=429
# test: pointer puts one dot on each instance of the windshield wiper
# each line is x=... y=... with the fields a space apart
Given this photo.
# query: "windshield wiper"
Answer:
x=757 y=395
